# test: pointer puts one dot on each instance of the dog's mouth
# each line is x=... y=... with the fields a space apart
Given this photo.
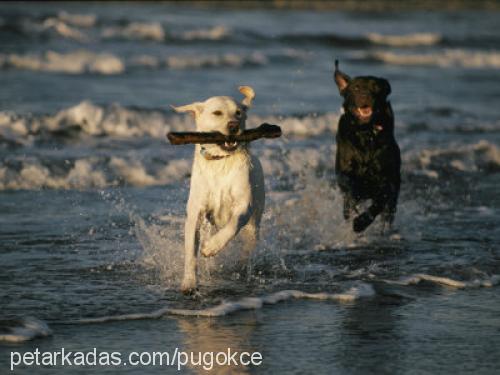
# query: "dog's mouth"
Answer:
x=364 y=113
x=229 y=146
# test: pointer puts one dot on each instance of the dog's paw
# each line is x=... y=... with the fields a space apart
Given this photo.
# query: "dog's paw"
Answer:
x=361 y=222
x=211 y=248
x=188 y=287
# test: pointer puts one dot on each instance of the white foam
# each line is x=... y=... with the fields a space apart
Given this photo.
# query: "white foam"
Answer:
x=90 y=173
x=445 y=58
x=76 y=62
x=24 y=330
x=480 y=156
x=162 y=248
x=84 y=61
x=215 y=60
x=358 y=291
x=64 y=30
x=155 y=31
x=119 y=121
x=63 y=25
x=246 y=303
x=290 y=164
x=137 y=316
x=136 y=31
x=215 y=33
x=145 y=61
x=418 y=278
x=133 y=173
x=80 y=20
x=409 y=40
x=115 y=120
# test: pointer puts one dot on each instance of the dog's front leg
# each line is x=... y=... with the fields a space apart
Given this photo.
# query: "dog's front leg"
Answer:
x=361 y=222
x=191 y=243
x=216 y=243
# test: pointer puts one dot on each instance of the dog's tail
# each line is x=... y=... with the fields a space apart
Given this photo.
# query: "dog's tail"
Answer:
x=336 y=71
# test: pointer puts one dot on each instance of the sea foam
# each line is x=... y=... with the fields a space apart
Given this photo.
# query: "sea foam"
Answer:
x=20 y=330
x=444 y=59
x=247 y=303
x=409 y=40
x=359 y=291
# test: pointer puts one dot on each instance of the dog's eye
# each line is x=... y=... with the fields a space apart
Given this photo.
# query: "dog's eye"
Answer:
x=238 y=113
x=217 y=113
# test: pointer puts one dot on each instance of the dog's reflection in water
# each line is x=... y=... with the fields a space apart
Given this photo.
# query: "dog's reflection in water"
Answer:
x=203 y=336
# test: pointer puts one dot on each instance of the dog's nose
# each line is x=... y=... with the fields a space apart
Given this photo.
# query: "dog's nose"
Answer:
x=233 y=127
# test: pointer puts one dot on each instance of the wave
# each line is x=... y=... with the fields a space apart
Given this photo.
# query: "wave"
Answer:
x=224 y=60
x=87 y=118
x=135 y=31
x=85 y=27
x=482 y=156
x=105 y=63
x=20 y=330
x=359 y=291
x=446 y=281
x=61 y=28
x=89 y=173
x=156 y=32
x=133 y=169
x=248 y=303
x=77 y=62
x=130 y=169
x=80 y=20
x=447 y=58
x=80 y=28
x=62 y=24
x=229 y=60
x=408 y=40
x=217 y=32
x=91 y=123
x=357 y=41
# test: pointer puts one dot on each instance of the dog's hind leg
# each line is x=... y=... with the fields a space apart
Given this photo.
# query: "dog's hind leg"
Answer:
x=191 y=243
x=347 y=189
x=390 y=210
x=349 y=206
x=250 y=236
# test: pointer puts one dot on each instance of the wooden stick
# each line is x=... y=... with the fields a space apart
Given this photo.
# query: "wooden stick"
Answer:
x=263 y=131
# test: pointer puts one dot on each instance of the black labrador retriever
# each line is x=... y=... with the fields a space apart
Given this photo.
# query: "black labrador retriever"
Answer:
x=368 y=159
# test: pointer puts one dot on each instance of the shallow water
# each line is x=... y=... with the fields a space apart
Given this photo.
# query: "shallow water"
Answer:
x=92 y=198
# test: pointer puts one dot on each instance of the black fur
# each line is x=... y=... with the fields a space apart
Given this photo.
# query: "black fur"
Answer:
x=368 y=159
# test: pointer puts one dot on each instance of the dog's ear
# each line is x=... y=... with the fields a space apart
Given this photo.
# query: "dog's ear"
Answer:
x=341 y=79
x=249 y=94
x=385 y=87
x=194 y=108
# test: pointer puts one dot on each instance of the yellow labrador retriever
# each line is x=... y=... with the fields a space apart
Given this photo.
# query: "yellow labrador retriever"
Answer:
x=227 y=183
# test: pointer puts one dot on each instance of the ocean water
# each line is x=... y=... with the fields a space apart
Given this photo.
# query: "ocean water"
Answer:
x=92 y=197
